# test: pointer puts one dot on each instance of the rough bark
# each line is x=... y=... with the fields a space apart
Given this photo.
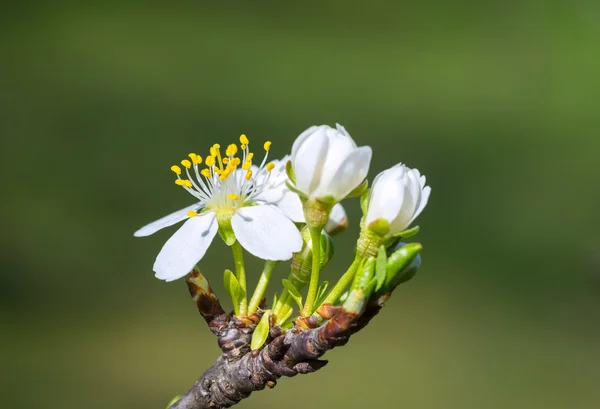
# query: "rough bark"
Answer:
x=239 y=371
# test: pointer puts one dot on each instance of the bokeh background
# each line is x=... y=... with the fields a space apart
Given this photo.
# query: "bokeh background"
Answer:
x=497 y=103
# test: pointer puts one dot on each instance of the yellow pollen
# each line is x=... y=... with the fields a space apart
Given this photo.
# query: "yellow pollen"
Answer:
x=205 y=173
x=247 y=165
x=233 y=196
x=183 y=182
x=192 y=213
x=244 y=140
x=225 y=160
x=250 y=156
x=210 y=161
x=176 y=169
x=270 y=166
x=197 y=159
x=236 y=161
x=213 y=151
x=267 y=145
x=217 y=146
x=249 y=175
x=186 y=163
x=243 y=146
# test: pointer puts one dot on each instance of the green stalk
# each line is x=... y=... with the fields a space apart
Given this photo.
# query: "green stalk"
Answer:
x=313 y=285
x=261 y=287
x=342 y=283
x=240 y=273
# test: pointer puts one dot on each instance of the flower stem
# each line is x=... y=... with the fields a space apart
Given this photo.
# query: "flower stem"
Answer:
x=261 y=287
x=240 y=273
x=313 y=285
x=342 y=283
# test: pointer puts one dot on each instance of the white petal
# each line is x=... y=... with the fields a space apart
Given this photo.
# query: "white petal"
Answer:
x=291 y=205
x=266 y=233
x=166 y=221
x=186 y=247
x=351 y=173
x=341 y=129
x=338 y=221
x=309 y=160
x=387 y=196
x=302 y=137
x=424 y=198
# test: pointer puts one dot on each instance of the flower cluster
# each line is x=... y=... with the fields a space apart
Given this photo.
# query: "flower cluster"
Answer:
x=282 y=208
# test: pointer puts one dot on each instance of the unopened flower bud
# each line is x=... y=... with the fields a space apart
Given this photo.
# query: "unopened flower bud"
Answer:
x=302 y=261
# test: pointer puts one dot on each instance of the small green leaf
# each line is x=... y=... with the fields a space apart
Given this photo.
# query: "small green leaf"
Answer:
x=321 y=291
x=359 y=190
x=175 y=399
x=406 y=233
x=261 y=332
x=380 y=268
x=290 y=171
x=294 y=293
x=234 y=289
x=275 y=299
x=399 y=260
x=281 y=322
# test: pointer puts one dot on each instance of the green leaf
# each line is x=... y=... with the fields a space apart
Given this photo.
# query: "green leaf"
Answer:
x=234 y=289
x=290 y=171
x=294 y=293
x=175 y=399
x=275 y=299
x=359 y=190
x=380 y=268
x=281 y=322
x=399 y=260
x=261 y=332
x=321 y=291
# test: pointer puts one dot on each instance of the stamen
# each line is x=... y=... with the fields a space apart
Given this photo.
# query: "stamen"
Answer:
x=267 y=145
x=233 y=196
x=247 y=165
x=244 y=140
x=196 y=159
x=210 y=161
x=183 y=182
x=192 y=213
x=186 y=163
x=176 y=169
x=270 y=166
x=225 y=160
x=205 y=173
x=249 y=175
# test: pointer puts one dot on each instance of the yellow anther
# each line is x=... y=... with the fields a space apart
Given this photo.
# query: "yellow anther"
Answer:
x=250 y=156
x=192 y=213
x=217 y=146
x=244 y=140
x=197 y=159
x=205 y=173
x=233 y=196
x=186 y=163
x=270 y=166
x=243 y=146
x=249 y=175
x=225 y=160
x=267 y=145
x=210 y=161
x=188 y=183
x=176 y=169
x=247 y=165
x=183 y=182
x=236 y=161
x=231 y=150
x=213 y=151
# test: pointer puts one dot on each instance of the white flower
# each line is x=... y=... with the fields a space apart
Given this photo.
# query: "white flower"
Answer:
x=398 y=196
x=327 y=163
x=228 y=188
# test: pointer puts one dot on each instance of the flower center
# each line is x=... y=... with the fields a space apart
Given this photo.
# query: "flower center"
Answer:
x=227 y=181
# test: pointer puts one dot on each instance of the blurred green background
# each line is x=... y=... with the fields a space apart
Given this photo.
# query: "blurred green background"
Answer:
x=497 y=103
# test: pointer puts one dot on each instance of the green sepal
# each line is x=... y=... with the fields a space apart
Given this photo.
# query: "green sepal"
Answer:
x=398 y=261
x=381 y=227
x=225 y=229
x=290 y=171
x=294 y=293
x=321 y=292
x=175 y=399
x=359 y=190
x=295 y=190
x=380 y=268
x=261 y=332
x=406 y=233
x=328 y=200
x=234 y=289
x=364 y=201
